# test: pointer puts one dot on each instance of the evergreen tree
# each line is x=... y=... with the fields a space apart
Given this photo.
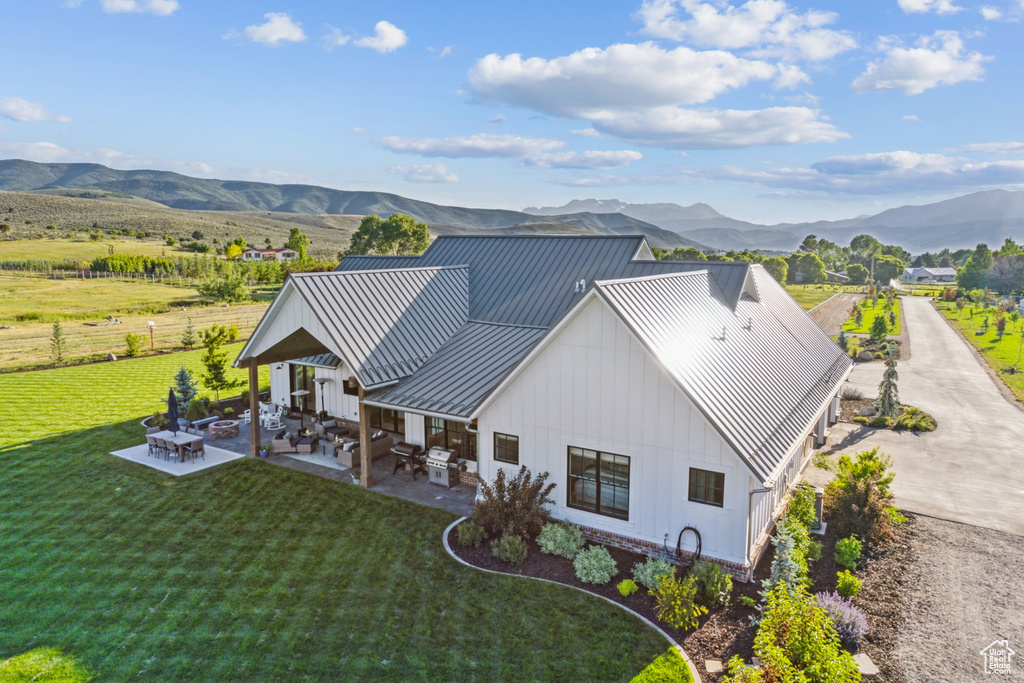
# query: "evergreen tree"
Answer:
x=879 y=327
x=58 y=344
x=888 y=401
x=184 y=386
x=216 y=360
x=189 y=339
x=843 y=341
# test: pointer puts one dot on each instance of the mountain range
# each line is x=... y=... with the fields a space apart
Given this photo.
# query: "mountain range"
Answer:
x=989 y=216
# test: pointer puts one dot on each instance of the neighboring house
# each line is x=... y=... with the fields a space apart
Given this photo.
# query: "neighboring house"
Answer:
x=929 y=275
x=284 y=254
x=658 y=395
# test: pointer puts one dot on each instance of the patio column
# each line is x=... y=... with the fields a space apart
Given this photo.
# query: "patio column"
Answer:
x=365 y=459
x=254 y=406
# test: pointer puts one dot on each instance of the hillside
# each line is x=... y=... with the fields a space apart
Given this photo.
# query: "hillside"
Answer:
x=178 y=191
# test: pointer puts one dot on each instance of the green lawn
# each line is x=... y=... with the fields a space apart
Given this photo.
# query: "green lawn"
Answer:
x=999 y=354
x=84 y=249
x=870 y=313
x=250 y=571
x=809 y=296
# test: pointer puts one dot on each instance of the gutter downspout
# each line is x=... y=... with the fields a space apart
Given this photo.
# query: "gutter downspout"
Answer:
x=750 y=513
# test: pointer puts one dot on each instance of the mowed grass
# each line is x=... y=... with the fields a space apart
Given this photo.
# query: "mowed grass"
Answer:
x=1000 y=355
x=809 y=296
x=249 y=571
x=84 y=250
x=872 y=312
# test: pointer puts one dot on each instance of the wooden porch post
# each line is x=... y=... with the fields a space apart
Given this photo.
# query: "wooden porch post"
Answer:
x=254 y=406
x=365 y=459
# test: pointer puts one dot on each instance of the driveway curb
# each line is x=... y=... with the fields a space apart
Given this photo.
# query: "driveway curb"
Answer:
x=686 y=658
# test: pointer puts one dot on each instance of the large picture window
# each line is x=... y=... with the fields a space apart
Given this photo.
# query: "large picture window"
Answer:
x=451 y=435
x=707 y=487
x=599 y=482
x=506 y=448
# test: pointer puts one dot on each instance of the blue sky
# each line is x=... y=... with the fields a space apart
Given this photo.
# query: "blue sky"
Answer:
x=767 y=110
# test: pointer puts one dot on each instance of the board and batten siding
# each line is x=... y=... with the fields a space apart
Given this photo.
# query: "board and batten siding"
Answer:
x=595 y=386
x=331 y=397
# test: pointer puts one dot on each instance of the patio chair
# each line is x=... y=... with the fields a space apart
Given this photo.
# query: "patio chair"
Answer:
x=161 y=447
x=152 y=430
x=272 y=421
x=247 y=416
x=154 y=448
x=195 y=448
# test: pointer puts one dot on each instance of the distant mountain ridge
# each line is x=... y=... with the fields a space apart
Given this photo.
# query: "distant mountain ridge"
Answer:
x=184 y=192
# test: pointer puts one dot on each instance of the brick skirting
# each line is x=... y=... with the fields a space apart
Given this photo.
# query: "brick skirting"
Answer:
x=469 y=478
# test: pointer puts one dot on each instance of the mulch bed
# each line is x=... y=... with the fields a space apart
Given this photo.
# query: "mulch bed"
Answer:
x=727 y=631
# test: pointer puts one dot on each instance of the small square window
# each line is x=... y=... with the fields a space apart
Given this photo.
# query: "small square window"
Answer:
x=707 y=487
x=506 y=448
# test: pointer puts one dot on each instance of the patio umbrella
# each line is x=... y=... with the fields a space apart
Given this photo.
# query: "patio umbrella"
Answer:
x=172 y=410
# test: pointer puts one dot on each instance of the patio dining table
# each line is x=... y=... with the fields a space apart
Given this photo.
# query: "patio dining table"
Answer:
x=180 y=439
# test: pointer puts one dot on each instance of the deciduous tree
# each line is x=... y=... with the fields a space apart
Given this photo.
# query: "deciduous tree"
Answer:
x=399 y=234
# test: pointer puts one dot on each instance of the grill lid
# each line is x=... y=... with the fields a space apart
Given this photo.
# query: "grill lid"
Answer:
x=442 y=456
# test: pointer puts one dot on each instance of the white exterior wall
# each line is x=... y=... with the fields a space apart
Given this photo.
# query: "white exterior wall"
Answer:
x=415 y=429
x=596 y=387
x=279 y=385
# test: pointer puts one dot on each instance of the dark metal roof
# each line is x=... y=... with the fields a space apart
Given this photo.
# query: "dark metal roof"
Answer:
x=760 y=374
x=464 y=370
x=387 y=323
x=323 y=360
x=531 y=280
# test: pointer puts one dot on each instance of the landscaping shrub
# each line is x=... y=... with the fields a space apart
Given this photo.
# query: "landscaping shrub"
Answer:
x=627 y=587
x=882 y=422
x=852 y=394
x=516 y=506
x=847 y=584
x=789 y=564
x=560 y=538
x=159 y=420
x=714 y=585
x=648 y=572
x=471 y=534
x=133 y=344
x=848 y=552
x=795 y=641
x=879 y=355
x=510 y=549
x=748 y=601
x=676 y=602
x=849 y=621
x=860 y=494
x=195 y=410
x=860 y=419
x=228 y=412
x=801 y=505
x=595 y=565
x=915 y=420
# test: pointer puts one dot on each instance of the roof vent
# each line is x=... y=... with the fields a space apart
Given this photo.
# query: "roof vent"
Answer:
x=581 y=286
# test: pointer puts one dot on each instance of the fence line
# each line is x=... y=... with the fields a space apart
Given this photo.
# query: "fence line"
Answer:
x=60 y=274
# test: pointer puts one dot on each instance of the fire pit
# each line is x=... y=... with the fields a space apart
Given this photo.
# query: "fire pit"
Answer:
x=225 y=429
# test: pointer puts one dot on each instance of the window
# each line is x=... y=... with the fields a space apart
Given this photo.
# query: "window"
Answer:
x=599 y=482
x=352 y=390
x=302 y=380
x=707 y=487
x=387 y=419
x=506 y=448
x=451 y=435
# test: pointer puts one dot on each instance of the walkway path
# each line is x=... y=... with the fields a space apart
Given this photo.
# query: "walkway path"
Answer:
x=971 y=469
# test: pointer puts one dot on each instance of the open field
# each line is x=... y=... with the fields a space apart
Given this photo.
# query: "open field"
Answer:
x=809 y=296
x=1000 y=355
x=250 y=571
x=84 y=249
x=30 y=305
x=872 y=312
x=28 y=214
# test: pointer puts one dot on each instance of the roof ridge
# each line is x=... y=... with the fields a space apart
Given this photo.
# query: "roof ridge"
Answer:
x=462 y=266
x=645 y=278
x=496 y=324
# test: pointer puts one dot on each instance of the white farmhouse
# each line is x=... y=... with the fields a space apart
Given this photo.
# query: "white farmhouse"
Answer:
x=658 y=395
x=929 y=275
x=283 y=254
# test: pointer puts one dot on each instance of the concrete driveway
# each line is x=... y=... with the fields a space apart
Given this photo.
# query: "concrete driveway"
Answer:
x=971 y=469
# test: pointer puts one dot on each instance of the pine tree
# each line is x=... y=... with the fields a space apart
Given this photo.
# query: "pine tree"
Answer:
x=58 y=344
x=879 y=327
x=189 y=339
x=888 y=401
x=184 y=386
x=843 y=341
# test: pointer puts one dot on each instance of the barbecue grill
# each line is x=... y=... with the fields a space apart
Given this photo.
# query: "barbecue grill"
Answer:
x=442 y=467
x=408 y=454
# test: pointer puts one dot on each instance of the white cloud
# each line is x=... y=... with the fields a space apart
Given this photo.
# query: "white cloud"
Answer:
x=278 y=28
x=425 y=173
x=790 y=77
x=922 y=6
x=445 y=52
x=991 y=147
x=936 y=60
x=881 y=173
x=19 y=109
x=770 y=27
x=498 y=118
x=387 y=38
x=72 y=4
x=991 y=13
x=623 y=76
x=480 y=145
x=682 y=128
x=48 y=152
x=160 y=8
x=587 y=133
x=910 y=117
x=590 y=160
x=335 y=38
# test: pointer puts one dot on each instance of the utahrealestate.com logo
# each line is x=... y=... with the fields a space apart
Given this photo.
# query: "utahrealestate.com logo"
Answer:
x=997 y=658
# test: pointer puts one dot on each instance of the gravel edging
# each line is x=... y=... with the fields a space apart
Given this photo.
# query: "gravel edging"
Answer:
x=689 y=663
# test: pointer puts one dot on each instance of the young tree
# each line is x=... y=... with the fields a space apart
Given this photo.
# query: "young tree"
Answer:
x=399 y=234
x=843 y=341
x=188 y=338
x=216 y=360
x=232 y=251
x=858 y=316
x=184 y=386
x=58 y=344
x=297 y=241
x=133 y=344
x=879 y=327
x=888 y=401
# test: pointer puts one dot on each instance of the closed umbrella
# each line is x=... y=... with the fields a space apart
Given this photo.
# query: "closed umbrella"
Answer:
x=172 y=410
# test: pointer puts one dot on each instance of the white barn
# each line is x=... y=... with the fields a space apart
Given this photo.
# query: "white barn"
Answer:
x=658 y=395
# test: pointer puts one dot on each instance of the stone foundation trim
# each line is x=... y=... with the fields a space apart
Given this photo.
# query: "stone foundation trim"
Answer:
x=682 y=653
